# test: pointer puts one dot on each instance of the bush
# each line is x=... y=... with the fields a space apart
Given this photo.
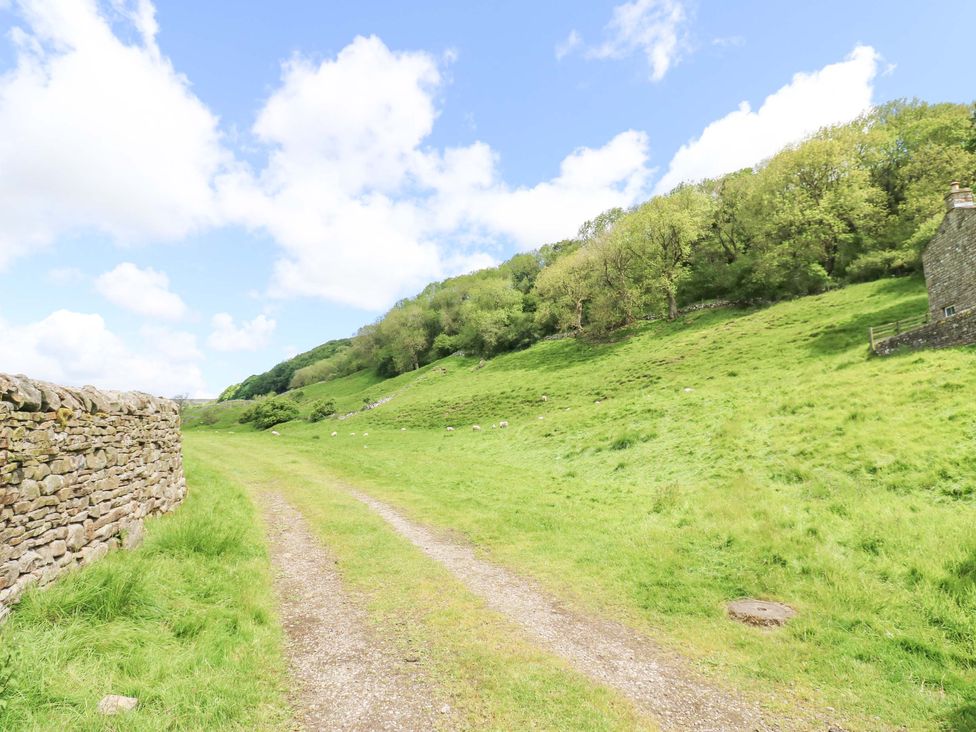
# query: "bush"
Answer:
x=321 y=409
x=209 y=416
x=269 y=412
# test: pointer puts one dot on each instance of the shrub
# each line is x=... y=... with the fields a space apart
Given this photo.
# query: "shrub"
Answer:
x=321 y=409
x=269 y=412
x=209 y=416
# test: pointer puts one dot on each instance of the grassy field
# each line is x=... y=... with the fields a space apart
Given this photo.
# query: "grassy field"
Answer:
x=493 y=679
x=733 y=453
x=186 y=623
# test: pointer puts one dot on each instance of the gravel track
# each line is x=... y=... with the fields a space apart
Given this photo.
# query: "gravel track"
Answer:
x=345 y=677
x=658 y=682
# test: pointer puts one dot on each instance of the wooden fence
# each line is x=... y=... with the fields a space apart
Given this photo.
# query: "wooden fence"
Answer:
x=880 y=332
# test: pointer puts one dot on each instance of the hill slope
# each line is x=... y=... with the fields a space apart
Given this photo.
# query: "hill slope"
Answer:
x=732 y=453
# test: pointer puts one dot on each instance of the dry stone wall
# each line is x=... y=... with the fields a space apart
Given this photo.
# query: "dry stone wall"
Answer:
x=959 y=330
x=79 y=471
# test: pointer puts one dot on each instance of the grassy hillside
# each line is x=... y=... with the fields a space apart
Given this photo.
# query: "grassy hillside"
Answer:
x=732 y=453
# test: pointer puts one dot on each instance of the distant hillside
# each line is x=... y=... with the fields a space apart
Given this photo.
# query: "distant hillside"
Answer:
x=853 y=203
x=277 y=379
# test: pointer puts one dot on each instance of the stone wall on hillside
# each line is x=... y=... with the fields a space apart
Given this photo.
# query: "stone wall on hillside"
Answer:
x=958 y=330
x=79 y=471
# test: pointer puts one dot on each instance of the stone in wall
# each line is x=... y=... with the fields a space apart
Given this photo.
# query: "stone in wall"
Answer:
x=79 y=471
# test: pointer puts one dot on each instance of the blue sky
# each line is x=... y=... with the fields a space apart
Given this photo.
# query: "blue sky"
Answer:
x=190 y=192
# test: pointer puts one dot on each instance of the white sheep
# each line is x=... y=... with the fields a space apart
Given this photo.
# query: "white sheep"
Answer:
x=476 y=428
x=335 y=434
x=276 y=433
x=503 y=424
x=450 y=429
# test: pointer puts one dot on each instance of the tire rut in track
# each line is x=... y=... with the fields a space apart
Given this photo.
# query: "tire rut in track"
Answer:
x=658 y=682
x=345 y=677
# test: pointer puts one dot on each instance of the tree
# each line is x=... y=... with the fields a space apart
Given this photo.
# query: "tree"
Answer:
x=564 y=289
x=182 y=402
x=661 y=235
x=405 y=333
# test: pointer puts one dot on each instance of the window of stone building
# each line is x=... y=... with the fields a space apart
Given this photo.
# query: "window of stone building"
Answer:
x=949 y=310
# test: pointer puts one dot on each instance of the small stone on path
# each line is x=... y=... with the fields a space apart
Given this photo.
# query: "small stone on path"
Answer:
x=113 y=704
x=763 y=613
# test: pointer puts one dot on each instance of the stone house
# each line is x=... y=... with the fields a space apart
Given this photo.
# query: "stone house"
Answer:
x=950 y=258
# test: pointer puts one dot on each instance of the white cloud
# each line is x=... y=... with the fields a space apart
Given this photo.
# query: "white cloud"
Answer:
x=835 y=94
x=99 y=134
x=143 y=291
x=366 y=212
x=590 y=181
x=363 y=209
x=176 y=345
x=250 y=336
x=77 y=348
x=573 y=41
x=65 y=275
x=651 y=27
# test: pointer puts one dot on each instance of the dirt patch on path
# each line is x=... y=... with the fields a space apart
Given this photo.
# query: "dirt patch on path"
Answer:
x=659 y=683
x=345 y=678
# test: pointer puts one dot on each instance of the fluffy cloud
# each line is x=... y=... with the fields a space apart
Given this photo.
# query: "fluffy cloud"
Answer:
x=114 y=141
x=573 y=41
x=250 y=336
x=654 y=28
x=78 y=348
x=835 y=94
x=590 y=181
x=365 y=212
x=143 y=291
x=362 y=208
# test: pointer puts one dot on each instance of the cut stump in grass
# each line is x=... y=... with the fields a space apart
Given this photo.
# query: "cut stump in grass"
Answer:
x=763 y=613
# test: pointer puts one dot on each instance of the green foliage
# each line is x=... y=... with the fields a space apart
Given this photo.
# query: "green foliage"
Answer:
x=7 y=664
x=321 y=409
x=269 y=412
x=853 y=203
x=228 y=393
x=279 y=378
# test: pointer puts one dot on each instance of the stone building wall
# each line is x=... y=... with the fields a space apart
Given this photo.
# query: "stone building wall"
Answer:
x=958 y=330
x=950 y=263
x=79 y=471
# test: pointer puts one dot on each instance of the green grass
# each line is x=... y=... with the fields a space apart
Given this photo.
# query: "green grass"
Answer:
x=796 y=468
x=490 y=675
x=186 y=623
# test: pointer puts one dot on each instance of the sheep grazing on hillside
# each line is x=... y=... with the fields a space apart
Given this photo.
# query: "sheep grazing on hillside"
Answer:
x=503 y=424
x=450 y=429
x=476 y=428
x=545 y=398
x=276 y=433
x=403 y=429
x=365 y=434
x=335 y=434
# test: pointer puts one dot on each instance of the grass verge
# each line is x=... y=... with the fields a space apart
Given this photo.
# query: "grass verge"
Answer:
x=186 y=624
